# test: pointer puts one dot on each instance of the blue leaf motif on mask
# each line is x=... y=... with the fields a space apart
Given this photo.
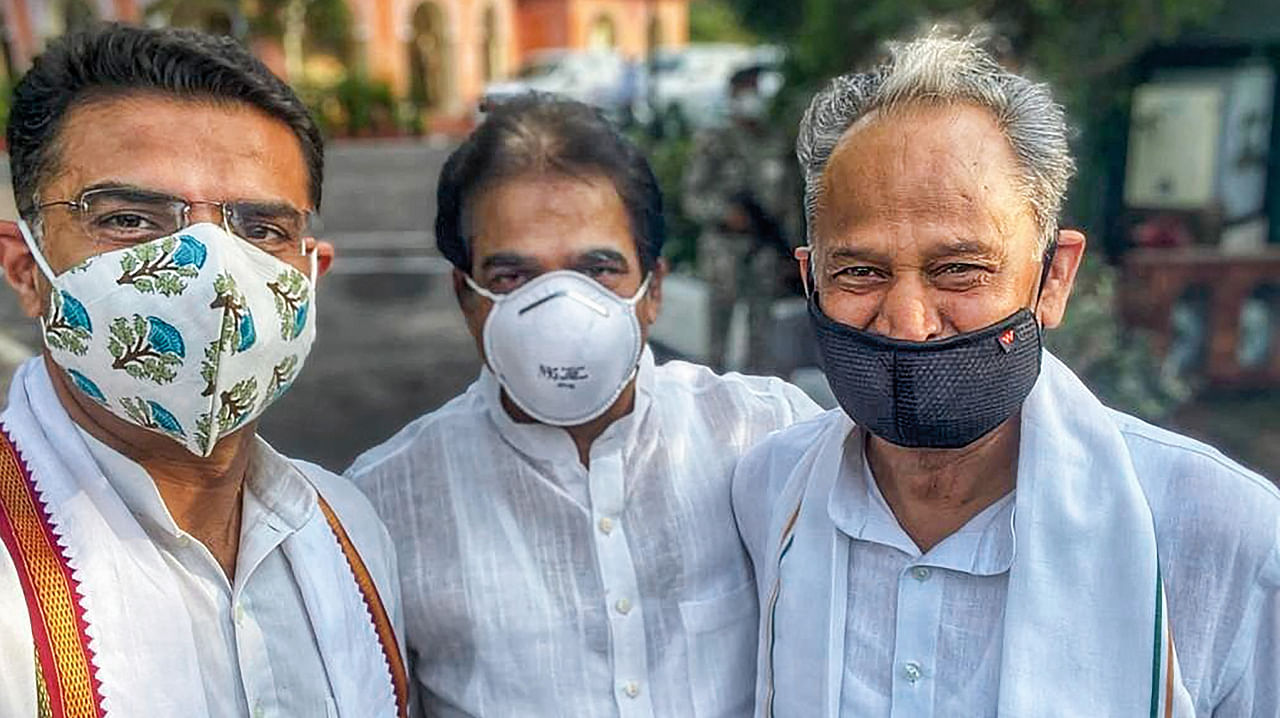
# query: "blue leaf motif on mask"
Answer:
x=300 y=318
x=247 y=333
x=74 y=314
x=86 y=387
x=164 y=338
x=190 y=252
x=165 y=420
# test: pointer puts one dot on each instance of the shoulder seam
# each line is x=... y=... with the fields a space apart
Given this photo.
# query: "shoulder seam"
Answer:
x=1217 y=458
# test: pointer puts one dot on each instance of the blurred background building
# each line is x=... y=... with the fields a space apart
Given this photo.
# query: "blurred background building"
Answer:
x=1176 y=316
x=432 y=58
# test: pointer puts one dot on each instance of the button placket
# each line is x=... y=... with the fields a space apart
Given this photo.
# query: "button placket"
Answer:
x=916 y=642
x=621 y=586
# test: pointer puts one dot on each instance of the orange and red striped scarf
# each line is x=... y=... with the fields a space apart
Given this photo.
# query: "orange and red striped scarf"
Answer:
x=67 y=685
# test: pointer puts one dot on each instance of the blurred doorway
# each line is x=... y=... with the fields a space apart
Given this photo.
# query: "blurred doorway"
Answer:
x=430 y=64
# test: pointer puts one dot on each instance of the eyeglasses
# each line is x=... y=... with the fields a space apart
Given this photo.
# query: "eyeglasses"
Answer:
x=122 y=216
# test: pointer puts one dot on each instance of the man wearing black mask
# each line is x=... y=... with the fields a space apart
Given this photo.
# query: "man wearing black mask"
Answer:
x=883 y=534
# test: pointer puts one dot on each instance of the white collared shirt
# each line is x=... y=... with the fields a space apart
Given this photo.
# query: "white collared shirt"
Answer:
x=923 y=633
x=536 y=587
x=255 y=644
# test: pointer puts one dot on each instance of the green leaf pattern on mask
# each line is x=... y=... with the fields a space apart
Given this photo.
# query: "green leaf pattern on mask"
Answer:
x=290 y=292
x=235 y=404
x=204 y=425
x=151 y=268
x=133 y=353
x=234 y=306
x=64 y=332
x=282 y=375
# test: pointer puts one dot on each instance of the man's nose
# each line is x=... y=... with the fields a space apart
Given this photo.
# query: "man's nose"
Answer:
x=204 y=212
x=906 y=313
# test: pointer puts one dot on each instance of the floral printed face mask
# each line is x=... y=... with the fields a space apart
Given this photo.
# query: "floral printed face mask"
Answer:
x=191 y=336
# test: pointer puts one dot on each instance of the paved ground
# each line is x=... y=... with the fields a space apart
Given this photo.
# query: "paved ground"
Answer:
x=390 y=344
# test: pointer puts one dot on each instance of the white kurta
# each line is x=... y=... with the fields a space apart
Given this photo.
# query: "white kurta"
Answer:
x=536 y=587
x=254 y=638
x=924 y=635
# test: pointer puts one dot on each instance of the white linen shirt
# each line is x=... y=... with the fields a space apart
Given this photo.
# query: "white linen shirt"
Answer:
x=923 y=633
x=255 y=644
x=536 y=587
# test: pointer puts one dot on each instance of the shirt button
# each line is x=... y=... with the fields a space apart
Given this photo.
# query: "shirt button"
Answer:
x=606 y=525
x=911 y=670
x=631 y=689
x=239 y=613
x=183 y=541
x=623 y=606
x=920 y=573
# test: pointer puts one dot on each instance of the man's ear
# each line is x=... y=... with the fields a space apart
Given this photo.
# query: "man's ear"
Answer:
x=1061 y=278
x=651 y=305
x=21 y=271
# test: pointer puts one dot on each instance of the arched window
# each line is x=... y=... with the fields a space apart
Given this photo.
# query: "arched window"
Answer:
x=655 y=34
x=603 y=34
x=491 y=45
x=429 y=59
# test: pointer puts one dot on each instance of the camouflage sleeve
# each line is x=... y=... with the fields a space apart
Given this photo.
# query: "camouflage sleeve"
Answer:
x=705 y=195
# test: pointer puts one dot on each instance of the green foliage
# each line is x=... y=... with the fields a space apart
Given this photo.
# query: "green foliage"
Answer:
x=356 y=106
x=290 y=293
x=715 y=21
x=328 y=24
x=668 y=158
x=1116 y=363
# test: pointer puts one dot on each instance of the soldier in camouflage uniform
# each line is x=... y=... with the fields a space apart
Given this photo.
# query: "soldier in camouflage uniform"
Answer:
x=738 y=188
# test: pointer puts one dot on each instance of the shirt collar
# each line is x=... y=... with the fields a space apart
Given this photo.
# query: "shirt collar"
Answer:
x=553 y=443
x=985 y=546
x=285 y=496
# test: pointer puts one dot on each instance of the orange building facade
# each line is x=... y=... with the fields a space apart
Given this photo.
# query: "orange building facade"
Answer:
x=438 y=53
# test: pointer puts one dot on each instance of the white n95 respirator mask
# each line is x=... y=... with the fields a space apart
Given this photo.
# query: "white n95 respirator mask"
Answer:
x=562 y=346
x=191 y=335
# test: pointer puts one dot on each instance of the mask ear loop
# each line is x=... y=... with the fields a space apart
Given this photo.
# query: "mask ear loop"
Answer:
x=804 y=255
x=644 y=289
x=1049 y=253
x=29 y=237
x=495 y=298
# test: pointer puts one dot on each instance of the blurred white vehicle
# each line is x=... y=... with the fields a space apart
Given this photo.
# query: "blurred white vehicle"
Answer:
x=603 y=79
x=690 y=85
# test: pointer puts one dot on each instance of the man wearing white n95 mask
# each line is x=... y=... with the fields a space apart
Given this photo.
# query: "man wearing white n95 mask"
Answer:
x=567 y=546
x=157 y=558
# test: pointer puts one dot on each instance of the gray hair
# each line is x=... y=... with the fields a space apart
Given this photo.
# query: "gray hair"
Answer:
x=940 y=69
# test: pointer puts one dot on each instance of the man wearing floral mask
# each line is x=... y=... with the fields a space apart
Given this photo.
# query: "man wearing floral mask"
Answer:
x=566 y=544
x=972 y=533
x=158 y=558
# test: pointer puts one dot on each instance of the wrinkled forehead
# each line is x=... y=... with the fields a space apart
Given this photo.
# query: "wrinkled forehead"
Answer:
x=944 y=167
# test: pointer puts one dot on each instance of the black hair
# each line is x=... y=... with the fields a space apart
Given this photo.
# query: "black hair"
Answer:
x=539 y=132
x=112 y=60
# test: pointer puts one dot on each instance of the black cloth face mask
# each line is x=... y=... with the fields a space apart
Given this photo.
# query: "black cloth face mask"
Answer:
x=941 y=394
